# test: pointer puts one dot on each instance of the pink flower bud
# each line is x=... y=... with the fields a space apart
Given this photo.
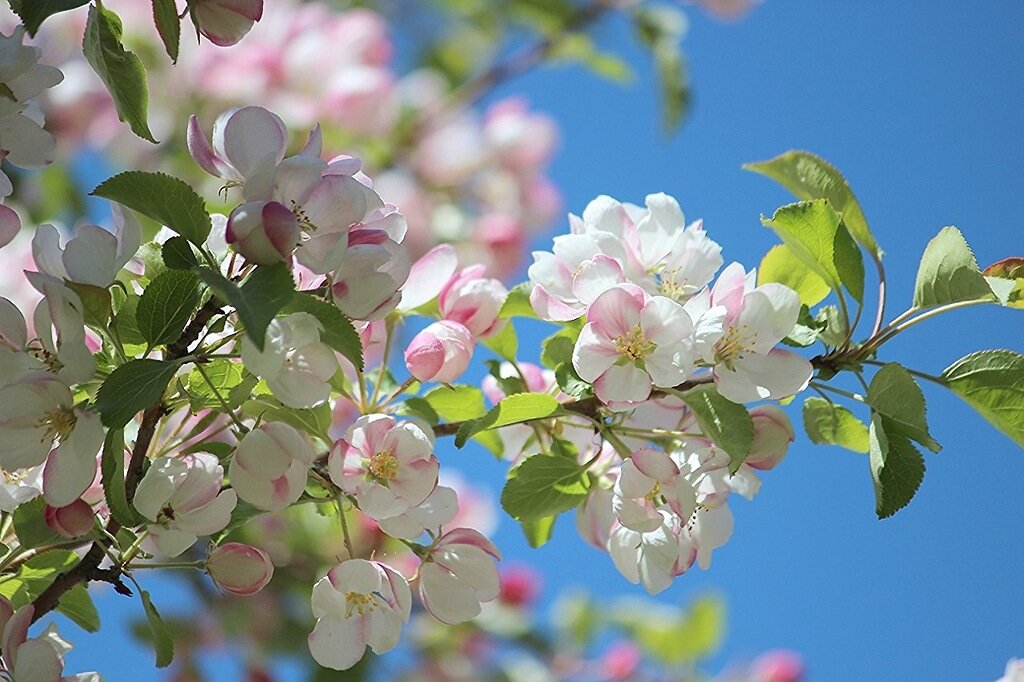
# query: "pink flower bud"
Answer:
x=225 y=22
x=265 y=232
x=778 y=666
x=240 y=569
x=519 y=586
x=773 y=432
x=72 y=521
x=473 y=301
x=440 y=353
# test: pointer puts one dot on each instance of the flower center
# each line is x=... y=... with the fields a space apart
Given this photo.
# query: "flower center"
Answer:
x=301 y=216
x=58 y=423
x=733 y=345
x=672 y=288
x=359 y=602
x=634 y=345
x=654 y=496
x=44 y=356
x=383 y=466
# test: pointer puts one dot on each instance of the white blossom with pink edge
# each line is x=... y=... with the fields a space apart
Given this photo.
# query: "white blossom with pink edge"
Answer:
x=652 y=559
x=737 y=327
x=428 y=276
x=60 y=330
x=182 y=498
x=369 y=277
x=1014 y=671
x=648 y=481
x=440 y=353
x=296 y=365
x=359 y=603
x=264 y=232
x=93 y=255
x=247 y=142
x=20 y=486
x=270 y=466
x=437 y=510
x=458 y=575
x=225 y=22
x=388 y=466
x=773 y=432
x=474 y=301
x=40 y=659
x=632 y=341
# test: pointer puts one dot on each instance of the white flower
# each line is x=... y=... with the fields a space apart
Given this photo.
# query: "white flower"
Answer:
x=649 y=481
x=40 y=659
x=92 y=255
x=437 y=510
x=357 y=604
x=295 y=364
x=459 y=574
x=270 y=465
x=652 y=559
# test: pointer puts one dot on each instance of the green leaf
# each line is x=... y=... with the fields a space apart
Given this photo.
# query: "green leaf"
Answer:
x=538 y=531
x=518 y=303
x=168 y=25
x=580 y=48
x=96 y=303
x=77 y=605
x=897 y=468
x=816 y=237
x=30 y=525
x=338 y=331
x=35 y=12
x=504 y=344
x=178 y=254
x=949 y=273
x=544 y=485
x=166 y=199
x=513 y=409
x=571 y=383
x=315 y=420
x=780 y=265
x=131 y=388
x=166 y=306
x=120 y=70
x=36 y=574
x=161 y=635
x=419 y=408
x=675 y=637
x=894 y=393
x=124 y=320
x=1006 y=278
x=992 y=382
x=112 y=471
x=830 y=424
x=728 y=424
x=557 y=349
x=263 y=295
x=456 y=403
x=224 y=375
x=810 y=177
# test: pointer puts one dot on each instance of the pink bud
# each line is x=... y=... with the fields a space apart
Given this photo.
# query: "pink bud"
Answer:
x=773 y=432
x=519 y=586
x=240 y=569
x=225 y=22
x=265 y=232
x=440 y=353
x=778 y=666
x=473 y=301
x=621 y=661
x=72 y=521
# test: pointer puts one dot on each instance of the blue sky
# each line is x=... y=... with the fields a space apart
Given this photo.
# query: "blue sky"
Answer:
x=920 y=105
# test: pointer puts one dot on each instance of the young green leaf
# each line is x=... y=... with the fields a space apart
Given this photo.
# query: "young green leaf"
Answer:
x=131 y=388
x=513 y=409
x=166 y=306
x=162 y=641
x=30 y=525
x=168 y=25
x=726 y=423
x=810 y=177
x=1006 y=278
x=830 y=424
x=538 y=531
x=315 y=421
x=224 y=375
x=517 y=304
x=894 y=394
x=815 y=235
x=120 y=70
x=35 y=12
x=949 y=272
x=992 y=382
x=780 y=265
x=504 y=344
x=338 y=332
x=166 y=199
x=897 y=468
x=544 y=485
x=96 y=303
x=557 y=348
x=77 y=605
x=571 y=383
x=263 y=295
x=112 y=472
x=456 y=403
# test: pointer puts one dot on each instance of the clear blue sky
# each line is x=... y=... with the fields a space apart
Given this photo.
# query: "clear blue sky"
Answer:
x=920 y=104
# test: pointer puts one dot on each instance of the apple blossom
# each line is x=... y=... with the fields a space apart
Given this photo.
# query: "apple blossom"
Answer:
x=240 y=569
x=40 y=659
x=458 y=574
x=388 y=466
x=707 y=530
x=93 y=255
x=60 y=327
x=1014 y=671
x=653 y=558
x=20 y=486
x=632 y=341
x=270 y=465
x=296 y=365
x=646 y=481
x=359 y=603
x=778 y=666
x=596 y=516
x=225 y=22
x=182 y=499
x=440 y=353
x=737 y=329
x=264 y=232
x=439 y=509
x=369 y=277
x=246 y=142
x=428 y=276
x=70 y=521
x=473 y=301
x=773 y=432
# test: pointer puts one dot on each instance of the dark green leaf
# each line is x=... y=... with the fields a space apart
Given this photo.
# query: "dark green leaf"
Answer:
x=420 y=408
x=77 y=605
x=166 y=199
x=166 y=306
x=726 y=423
x=178 y=254
x=513 y=409
x=35 y=12
x=570 y=382
x=338 y=332
x=112 y=470
x=315 y=421
x=264 y=294
x=168 y=25
x=120 y=70
x=131 y=388
x=557 y=348
x=949 y=272
x=897 y=468
x=830 y=424
x=992 y=382
x=895 y=394
x=96 y=304
x=161 y=635
x=544 y=485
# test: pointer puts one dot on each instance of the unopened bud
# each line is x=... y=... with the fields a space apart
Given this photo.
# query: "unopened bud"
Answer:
x=240 y=569
x=440 y=353
x=225 y=22
x=773 y=432
x=265 y=232
x=72 y=521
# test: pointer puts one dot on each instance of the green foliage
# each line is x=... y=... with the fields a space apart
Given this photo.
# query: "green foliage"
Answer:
x=166 y=306
x=517 y=304
x=177 y=254
x=949 y=273
x=96 y=303
x=992 y=382
x=263 y=295
x=168 y=25
x=120 y=70
x=672 y=638
x=557 y=349
x=1006 y=278
x=726 y=423
x=810 y=177
x=315 y=420
x=112 y=472
x=513 y=409
x=162 y=641
x=580 y=48
x=661 y=28
x=897 y=468
x=131 y=388
x=35 y=12
x=544 y=485
x=780 y=265
x=895 y=395
x=35 y=575
x=538 y=531
x=456 y=403
x=829 y=424
x=504 y=344
x=166 y=199
x=815 y=235
x=30 y=525
x=77 y=605
x=338 y=332
x=224 y=375
x=571 y=383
